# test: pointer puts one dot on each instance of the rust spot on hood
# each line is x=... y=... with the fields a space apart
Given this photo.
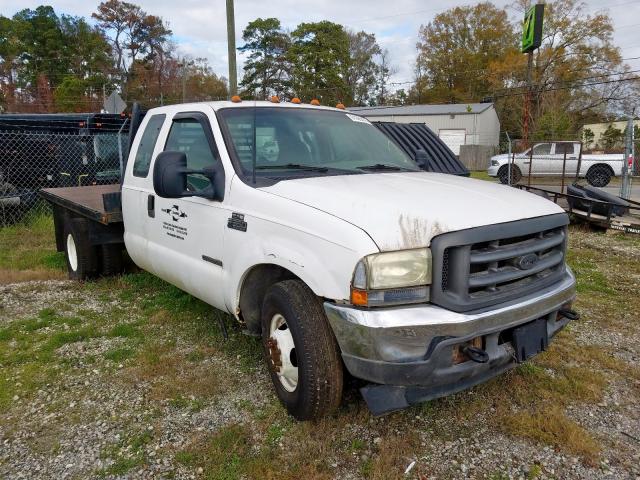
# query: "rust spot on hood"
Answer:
x=416 y=232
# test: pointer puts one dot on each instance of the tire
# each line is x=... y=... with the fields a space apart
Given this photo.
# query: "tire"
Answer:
x=111 y=259
x=503 y=174
x=81 y=256
x=599 y=175
x=301 y=323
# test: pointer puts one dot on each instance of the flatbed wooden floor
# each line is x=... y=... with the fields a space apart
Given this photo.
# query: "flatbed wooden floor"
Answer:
x=85 y=201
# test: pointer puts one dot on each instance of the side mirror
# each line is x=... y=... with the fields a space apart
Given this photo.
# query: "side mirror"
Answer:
x=170 y=177
x=422 y=159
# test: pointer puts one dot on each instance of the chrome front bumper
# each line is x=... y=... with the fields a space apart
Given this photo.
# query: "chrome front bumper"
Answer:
x=412 y=345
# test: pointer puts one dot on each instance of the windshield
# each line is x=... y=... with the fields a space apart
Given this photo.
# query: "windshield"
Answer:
x=319 y=141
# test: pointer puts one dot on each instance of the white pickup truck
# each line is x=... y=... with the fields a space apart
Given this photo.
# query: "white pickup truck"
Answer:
x=547 y=159
x=317 y=233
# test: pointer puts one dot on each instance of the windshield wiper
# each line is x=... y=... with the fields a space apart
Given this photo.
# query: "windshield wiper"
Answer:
x=384 y=167
x=292 y=166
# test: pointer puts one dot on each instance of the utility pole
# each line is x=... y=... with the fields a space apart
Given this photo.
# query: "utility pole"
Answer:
x=526 y=110
x=231 y=46
x=629 y=160
x=184 y=81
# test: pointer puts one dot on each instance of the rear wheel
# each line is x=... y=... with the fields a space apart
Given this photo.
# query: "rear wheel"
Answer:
x=81 y=256
x=599 y=176
x=301 y=352
x=112 y=261
x=503 y=174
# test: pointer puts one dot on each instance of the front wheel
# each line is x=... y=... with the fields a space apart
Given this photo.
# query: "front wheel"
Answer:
x=503 y=174
x=301 y=351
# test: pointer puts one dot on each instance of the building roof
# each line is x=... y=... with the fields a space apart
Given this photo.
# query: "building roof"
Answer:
x=408 y=110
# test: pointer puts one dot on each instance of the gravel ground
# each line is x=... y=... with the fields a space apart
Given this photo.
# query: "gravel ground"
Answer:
x=106 y=408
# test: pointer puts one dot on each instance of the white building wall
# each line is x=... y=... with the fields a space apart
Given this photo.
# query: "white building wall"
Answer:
x=481 y=128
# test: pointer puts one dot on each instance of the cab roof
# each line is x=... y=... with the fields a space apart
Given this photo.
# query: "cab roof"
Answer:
x=218 y=105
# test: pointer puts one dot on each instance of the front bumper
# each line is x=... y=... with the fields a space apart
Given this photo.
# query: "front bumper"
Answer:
x=492 y=171
x=410 y=349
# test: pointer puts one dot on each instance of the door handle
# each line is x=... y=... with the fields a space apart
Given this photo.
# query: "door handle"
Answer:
x=151 y=206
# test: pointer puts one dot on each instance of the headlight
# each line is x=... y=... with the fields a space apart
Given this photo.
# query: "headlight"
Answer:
x=392 y=278
x=495 y=163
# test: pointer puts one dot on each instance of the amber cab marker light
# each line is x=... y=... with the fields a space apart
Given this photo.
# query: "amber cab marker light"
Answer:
x=296 y=100
x=275 y=99
x=359 y=297
x=315 y=102
x=236 y=99
x=340 y=106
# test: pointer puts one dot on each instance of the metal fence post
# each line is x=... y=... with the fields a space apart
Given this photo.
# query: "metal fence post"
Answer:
x=508 y=159
x=625 y=186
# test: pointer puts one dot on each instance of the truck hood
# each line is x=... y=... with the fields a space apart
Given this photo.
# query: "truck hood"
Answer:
x=406 y=210
x=502 y=158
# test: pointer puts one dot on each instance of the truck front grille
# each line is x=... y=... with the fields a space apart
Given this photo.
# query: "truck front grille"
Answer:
x=481 y=267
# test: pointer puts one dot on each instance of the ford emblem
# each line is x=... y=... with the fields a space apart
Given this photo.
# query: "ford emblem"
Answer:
x=528 y=261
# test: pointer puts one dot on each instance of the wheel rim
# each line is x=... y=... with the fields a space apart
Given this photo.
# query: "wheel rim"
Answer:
x=72 y=253
x=282 y=353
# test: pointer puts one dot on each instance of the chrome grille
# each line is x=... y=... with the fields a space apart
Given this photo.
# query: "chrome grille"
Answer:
x=484 y=266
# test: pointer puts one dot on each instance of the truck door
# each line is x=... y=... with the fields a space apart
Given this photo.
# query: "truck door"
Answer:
x=558 y=158
x=539 y=160
x=184 y=235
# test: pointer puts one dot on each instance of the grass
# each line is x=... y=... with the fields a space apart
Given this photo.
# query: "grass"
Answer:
x=551 y=426
x=171 y=346
x=27 y=251
x=481 y=175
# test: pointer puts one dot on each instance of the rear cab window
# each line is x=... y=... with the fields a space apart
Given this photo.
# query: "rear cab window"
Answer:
x=142 y=162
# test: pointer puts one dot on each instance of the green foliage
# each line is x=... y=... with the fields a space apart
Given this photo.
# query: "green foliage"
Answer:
x=319 y=57
x=588 y=137
x=266 y=69
x=42 y=50
x=611 y=138
x=455 y=48
x=553 y=125
x=365 y=77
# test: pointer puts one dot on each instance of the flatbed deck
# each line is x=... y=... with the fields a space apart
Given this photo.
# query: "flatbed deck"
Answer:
x=86 y=201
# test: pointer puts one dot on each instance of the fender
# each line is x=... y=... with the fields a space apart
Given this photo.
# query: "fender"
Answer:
x=319 y=248
x=303 y=254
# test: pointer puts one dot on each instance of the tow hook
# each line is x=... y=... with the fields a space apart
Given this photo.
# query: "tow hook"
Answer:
x=476 y=354
x=568 y=313
x=274 y=354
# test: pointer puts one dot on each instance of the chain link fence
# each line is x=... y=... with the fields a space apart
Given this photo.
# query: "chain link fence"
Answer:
x=32 y=161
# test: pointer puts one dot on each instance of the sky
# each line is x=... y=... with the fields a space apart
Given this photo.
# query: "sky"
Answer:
x=199 y=26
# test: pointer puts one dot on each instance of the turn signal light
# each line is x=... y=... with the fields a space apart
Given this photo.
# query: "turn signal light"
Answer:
x=296 y=100
x=236 y=99
x=340 y=106
x=315 y=102
x=359 y=297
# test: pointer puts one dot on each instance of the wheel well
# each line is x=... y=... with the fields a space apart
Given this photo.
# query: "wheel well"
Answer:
x=254 y=288
x=503 y=168
x=608 y=167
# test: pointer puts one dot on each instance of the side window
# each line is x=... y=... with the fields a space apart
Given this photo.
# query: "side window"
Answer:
x=147 y=143
x=187 y=135
x=561 y=148
x=542 y=149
